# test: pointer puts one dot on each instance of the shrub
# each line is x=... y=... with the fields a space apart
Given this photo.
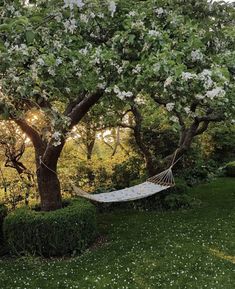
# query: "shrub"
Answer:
x=173 y=198
x=126 y=173
x=230 y=169
x=67 y=231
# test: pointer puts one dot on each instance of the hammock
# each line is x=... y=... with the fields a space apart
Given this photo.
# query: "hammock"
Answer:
x=153 y=185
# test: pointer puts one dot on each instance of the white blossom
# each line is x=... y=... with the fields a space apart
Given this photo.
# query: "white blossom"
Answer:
x=51 y=71
x=56 y=136
x=196 y=55
x=40 y=61
x=154 y=33
x=205 y=76
x=168 y=81
x=72 y=3
x=112 y=7
x=216 y=92
x=187 y=109
x=122 y=94
x=132 y=13
x=187 y=75
x=58 y=61
x=137 y=69
x=140 y=100
x=159 y=11
x=84 y=18
x=199 y=96
x=174 y=118
x=70 y=25
x=170 y=106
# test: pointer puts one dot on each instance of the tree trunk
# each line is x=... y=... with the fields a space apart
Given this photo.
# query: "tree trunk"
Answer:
x=140 y=142
x=49 y=189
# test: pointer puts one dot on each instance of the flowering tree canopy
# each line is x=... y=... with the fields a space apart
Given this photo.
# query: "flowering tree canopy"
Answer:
x=59 y=58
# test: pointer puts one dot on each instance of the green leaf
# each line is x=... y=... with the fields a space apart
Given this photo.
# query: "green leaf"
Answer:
x=30 y=35
x=5 y=27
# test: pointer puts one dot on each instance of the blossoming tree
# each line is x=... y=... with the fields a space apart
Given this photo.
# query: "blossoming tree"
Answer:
x=184 y=60
x=56 y=61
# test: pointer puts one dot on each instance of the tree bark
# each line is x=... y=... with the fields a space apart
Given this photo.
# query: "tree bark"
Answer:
x=49 y=189
x=140 y=142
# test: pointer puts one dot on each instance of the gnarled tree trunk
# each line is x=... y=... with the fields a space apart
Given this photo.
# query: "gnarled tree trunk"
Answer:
x=49 y=189
x=47 y=154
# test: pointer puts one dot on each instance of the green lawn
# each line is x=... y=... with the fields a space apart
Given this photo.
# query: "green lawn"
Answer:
x=181 y=249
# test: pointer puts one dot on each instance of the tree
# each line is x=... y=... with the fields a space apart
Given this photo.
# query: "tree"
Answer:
x=183 y=59
x=51 y=64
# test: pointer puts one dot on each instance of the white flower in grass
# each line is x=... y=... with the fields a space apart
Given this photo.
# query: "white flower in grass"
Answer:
x=170 y=106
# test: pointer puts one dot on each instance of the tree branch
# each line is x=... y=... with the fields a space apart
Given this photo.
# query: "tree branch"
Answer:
x=79 y=110
x=30 y=132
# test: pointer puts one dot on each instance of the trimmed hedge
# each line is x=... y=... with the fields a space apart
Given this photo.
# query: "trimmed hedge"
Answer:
x=67 y=231
x=230 y=169
x=3 y=213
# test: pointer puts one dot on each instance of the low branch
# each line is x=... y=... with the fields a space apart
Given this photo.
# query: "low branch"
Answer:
x=210 y=117
x=202 y=128
x=30 y=132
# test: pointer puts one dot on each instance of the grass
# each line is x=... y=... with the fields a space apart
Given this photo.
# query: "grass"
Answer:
x=182 y=249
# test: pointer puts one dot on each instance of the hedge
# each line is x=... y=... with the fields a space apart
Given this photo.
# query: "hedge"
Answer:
x=67 y=231
x=230 y=169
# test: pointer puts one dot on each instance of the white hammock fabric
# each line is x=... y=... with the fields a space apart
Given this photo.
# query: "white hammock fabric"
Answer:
x=153 y=185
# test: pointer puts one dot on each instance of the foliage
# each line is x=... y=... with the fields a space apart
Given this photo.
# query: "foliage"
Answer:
x=66 y=231
x=196 y=167
x=176 y=201
x=127 y=173
x=230 y=169
x=165 y=199
x=181 y=249
x=223 y=142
